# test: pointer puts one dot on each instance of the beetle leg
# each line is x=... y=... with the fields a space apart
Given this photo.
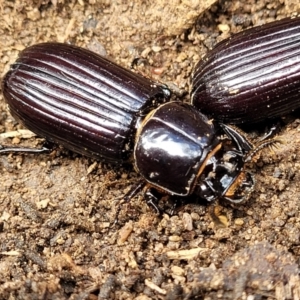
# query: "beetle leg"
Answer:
x=177 y=202
x=152 y=200
x=46 y=148
x=219 y=220
x=135 y=189
x=152 y=197
x=239 y=137
x=271 y=133
x=261 y=145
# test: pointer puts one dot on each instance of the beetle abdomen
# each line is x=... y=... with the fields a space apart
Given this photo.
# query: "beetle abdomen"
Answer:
x=78 y=99
x=252 y=76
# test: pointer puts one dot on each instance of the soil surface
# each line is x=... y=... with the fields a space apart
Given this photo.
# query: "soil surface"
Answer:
x=57 y=211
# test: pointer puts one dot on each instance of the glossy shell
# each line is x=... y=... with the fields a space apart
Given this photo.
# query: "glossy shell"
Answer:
x=252 y=76
x=171 y=146
x=80 y=100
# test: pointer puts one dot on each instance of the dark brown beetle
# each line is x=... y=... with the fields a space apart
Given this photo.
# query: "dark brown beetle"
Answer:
x=252 y=76
x=178 y=152
x=90 y=105
x=80 y=100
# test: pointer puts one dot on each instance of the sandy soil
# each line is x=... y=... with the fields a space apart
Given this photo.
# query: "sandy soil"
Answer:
x=57 y=211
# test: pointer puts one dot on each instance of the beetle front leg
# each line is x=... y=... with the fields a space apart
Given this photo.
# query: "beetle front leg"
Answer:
x=46 y=148
x=151 y=199
x=12 y=149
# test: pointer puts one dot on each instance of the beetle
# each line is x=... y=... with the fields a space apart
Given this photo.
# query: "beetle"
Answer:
x=252 y=76
x=80 y=100
x=73 y=97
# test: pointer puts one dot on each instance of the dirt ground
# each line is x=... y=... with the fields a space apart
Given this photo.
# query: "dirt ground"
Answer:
x=57 y=211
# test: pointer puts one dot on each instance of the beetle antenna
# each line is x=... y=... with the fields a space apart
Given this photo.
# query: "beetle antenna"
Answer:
x=270 y=143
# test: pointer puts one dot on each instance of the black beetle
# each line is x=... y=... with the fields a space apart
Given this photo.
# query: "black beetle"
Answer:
x=90 y=105
x=80 y=100
x=177 y=151
x=252 y=76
